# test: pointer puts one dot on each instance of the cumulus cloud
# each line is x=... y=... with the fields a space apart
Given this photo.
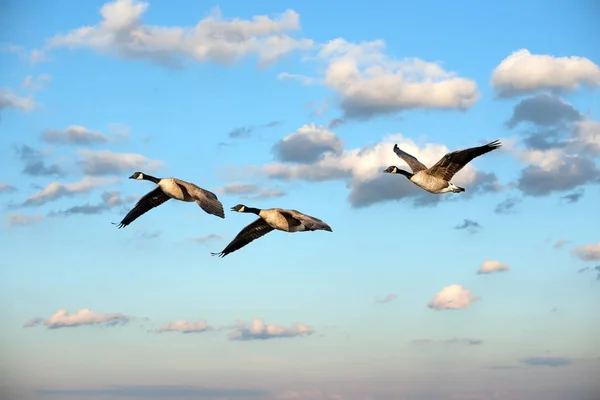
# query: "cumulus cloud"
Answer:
x=110 y=200
x=185 y=326
x=6 y=188
x=387 y=299
x=208 y=238
x=249 y=191
x=491 y=266
x=362 y=168
x=469 y=225
x=75 y=135
x=522 y=72
x=35 y=164
x=245 y=131
x=543 y=110
x=452 y=297
x=547 y=361
x=18 y=219
x=258 y=330
x=370 y=83
x=307 y=144
x=104 y=162
x=10 y=100
x=507 y=206
x=588 y=252
x=469 y=341
x=123 y=34
x=57 y=190
x=85 y=316
x=40 y=82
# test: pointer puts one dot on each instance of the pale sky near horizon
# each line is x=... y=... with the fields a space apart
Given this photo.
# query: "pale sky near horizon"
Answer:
x=490 y=294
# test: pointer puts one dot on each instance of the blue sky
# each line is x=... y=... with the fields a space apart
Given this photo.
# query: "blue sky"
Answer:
x=298 y=105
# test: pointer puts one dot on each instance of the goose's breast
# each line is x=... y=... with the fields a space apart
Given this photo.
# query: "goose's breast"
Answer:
x=430 y=183
x=172 y=189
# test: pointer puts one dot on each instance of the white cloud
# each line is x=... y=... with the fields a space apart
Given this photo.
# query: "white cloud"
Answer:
x=491 y=266
x=74 y=134
x=185 y=326
x=10 y=100
x=588 y=252
x=307 y=144
x=523 y=72
x=452 y=297
x=18 y=219
x=85 y=316
x=40 y=82
x=363 y=169
x=122 y=33
x=249 y=191
x=370 y=83
x=33 y=56
x=258 y=330
x=104 y=162
x=56 y=190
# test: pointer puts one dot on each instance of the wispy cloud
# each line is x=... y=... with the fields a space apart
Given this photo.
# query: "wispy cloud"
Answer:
x=185 y=326
x=302 y=79
x=249 y=191
x=56 y=190
x=547 y=361
x=469 y=225
x=110 y=200
x=507 y=206
x=207 y=238
x=560 y=243
x=492 y=266
x=74 y=135
x=595 y=269
x=469 y=341
x=258 y=330
x=38 y=83
x=10 y=100
x=387 y=299
x=18 y=219
x=452 y=297
x=105 y=162
x=6 y=188
x=574 y=197
x=245 y=131
x=35 y=164
x=85 y=316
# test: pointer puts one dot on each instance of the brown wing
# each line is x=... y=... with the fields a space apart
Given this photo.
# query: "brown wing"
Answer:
x=412 y=161
x=207 y=200
x=453 y=162
x=251 y=232
x=150 y=200
x=311 y=223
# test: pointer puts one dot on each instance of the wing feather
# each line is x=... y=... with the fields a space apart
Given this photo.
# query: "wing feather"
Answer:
x=412 y=161
x=251 y=232
x=311 y=223
x=453 y=162
x=150 y=200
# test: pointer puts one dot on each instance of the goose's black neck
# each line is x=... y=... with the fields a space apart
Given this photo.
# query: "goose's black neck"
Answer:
x=151 y=178
x=252 y=210
x=405 y=173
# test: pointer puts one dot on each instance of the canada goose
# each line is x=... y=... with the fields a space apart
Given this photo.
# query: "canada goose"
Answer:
x=269 y=219
x=437 y=178
x=172 y=188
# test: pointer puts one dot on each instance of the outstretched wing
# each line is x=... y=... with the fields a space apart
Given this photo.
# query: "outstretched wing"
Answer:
x=412 y=161
x=311 y=223
x=207 y=200
x=251 y=232
x=150 y=200
x=453 y=162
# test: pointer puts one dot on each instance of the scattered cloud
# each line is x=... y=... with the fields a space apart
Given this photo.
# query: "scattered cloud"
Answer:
x=110 y=200
x=185 y=326
x=104 y=162
x=74 y=135
x=560 y=243
x=85 y=316
x=469 y=341
x=35 y=164
x=491 y=266
x=57 y=190
x=18 y=219
x=452 y=297
x=387 y=299
x=258 y=330
x=543 y=110
x=207 y=238
x=6 y=188
x=302 y=79
x=32 y=56
x=249 y=191
x=123 y=34
x=370 y=83
x=574 y=197
x=588 y=252
x=507 y=206
x=362 y=168
x=245 y=131
x=307 y=145
x=10 y=100
x=522 y=73
x=40 y=82
x=157 y=391
x=469 y=225
x=547 y=361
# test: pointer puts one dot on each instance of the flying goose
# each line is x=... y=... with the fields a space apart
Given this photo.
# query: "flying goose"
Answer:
x=172 y=188
x=437 y=178
x=269 y=219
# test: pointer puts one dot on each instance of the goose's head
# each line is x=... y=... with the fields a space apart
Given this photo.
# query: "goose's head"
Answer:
x=239 y=208
x=391 y=170
x=137 y=175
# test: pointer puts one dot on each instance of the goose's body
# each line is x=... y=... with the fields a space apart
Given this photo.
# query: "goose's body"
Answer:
x=436 y=179
x=172 y=188
x=271 y=219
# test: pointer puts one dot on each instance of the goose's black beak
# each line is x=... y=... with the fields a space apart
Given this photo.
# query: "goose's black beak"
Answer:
x=233 y=209
x=132 y=177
